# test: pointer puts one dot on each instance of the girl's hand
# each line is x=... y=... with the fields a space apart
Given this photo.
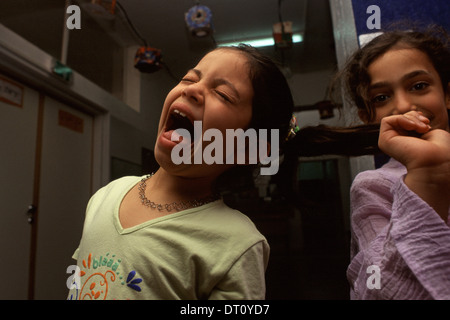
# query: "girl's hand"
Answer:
x=424 y=152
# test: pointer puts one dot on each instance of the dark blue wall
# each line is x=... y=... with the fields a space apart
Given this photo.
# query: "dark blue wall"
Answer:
x=424 y=11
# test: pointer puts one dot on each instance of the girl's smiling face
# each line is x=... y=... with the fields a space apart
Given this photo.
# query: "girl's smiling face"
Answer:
x=218 y=92
x=403 y=80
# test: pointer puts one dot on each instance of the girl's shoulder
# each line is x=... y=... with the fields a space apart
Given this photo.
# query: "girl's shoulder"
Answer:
x=391 y=171
x=119 y=184
x=114 y=190
x=219 y=219
x=378 y=180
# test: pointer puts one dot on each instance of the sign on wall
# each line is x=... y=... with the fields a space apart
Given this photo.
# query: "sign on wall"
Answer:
x=11 y=92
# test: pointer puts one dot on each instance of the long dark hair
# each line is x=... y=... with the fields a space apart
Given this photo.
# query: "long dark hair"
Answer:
x=350 y=141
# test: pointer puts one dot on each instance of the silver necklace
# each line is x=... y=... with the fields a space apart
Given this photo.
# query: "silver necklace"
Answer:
x=177 y=206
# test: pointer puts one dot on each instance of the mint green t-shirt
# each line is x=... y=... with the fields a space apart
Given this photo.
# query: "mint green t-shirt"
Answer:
x=208 y=252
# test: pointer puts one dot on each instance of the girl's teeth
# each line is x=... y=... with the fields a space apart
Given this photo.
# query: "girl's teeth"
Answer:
x=179 y=112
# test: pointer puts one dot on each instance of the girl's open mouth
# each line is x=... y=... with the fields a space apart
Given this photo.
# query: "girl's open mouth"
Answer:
x=177 y=120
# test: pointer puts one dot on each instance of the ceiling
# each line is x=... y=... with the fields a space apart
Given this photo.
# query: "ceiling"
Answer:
x=161 y=23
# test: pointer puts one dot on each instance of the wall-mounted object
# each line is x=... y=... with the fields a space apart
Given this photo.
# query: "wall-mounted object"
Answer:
x=148 y=59
x=282 y=34
x=325 y=109
x=11 y=92
x=62 y=71
x=199 y=21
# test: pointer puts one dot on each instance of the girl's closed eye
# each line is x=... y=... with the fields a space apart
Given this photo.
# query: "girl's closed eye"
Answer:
x=192 y=76
x=224 y=96
x=188 y=79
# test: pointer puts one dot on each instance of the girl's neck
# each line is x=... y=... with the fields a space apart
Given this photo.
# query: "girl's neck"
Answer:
x=164 y=187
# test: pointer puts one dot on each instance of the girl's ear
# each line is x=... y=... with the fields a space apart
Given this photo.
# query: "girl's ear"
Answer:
x=362 y=114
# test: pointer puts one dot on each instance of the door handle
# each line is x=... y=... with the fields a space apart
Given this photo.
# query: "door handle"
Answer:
x=31 y=212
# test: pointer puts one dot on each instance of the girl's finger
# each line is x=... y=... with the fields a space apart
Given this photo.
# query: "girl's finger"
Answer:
x=424 y=119
x=416 y=122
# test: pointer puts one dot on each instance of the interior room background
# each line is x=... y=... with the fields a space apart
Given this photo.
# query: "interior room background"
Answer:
x=75 y=114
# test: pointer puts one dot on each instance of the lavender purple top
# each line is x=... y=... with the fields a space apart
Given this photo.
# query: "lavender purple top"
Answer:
x=400 y=247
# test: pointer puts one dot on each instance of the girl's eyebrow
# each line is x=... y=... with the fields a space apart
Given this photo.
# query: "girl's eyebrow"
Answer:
x=218 y=82
x=197 y=72
x=407 y=76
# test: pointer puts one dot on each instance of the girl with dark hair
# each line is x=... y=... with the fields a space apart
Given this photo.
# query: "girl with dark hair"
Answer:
x=168 y=235
x=400 y=227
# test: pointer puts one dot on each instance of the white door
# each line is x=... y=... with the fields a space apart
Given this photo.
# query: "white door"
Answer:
x=18 y=127
x=65 y=188
x=45 y=160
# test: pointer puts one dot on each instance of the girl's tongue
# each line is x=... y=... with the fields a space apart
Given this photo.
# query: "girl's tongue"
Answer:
x=173 y=135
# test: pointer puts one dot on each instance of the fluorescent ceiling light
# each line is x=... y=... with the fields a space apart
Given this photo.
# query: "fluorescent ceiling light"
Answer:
x=262 y=42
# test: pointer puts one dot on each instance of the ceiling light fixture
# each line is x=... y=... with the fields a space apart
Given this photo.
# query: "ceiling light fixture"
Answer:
x=261 y=42
x=199 y=21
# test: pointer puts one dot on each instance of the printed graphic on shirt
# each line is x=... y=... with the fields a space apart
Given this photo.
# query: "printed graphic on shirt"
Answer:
x=97 y=275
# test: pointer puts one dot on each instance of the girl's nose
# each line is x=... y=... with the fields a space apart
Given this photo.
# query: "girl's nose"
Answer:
x=195 y=93
x=403 y=104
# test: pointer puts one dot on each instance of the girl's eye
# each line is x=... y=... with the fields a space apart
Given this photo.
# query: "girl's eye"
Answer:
x=380 y=98
x=223 y=96
x=187 y=80
x=419 y=86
